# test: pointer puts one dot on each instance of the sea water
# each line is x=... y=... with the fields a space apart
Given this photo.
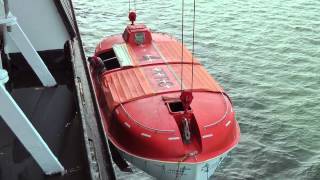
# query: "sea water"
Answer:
x=266 y=55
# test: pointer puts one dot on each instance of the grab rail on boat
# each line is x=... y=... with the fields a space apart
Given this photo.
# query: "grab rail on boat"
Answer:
x=172 y=131
x=143 y=126
x=109 y=59
x=225 y=113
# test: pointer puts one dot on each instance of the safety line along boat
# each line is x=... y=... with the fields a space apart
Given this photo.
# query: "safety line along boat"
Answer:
x=168 y=117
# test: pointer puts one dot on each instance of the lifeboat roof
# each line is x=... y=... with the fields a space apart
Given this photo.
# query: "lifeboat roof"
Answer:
x=151 y=68
x=141 y=86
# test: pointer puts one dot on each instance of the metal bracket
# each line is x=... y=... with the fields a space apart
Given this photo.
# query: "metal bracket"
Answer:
x=9 y=21
x=3 y=77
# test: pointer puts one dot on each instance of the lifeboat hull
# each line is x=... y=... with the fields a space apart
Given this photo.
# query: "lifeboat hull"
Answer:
x=174 y=170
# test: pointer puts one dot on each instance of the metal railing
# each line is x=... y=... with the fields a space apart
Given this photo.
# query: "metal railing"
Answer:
x=143 y=126
x=223 y=116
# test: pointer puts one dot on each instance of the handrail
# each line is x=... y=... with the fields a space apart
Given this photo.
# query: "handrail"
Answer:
x=109 y=59
x=172 y=131
x=223 y=116
x=143 y=126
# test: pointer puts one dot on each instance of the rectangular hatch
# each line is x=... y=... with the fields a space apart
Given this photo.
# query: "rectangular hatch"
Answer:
x=122 y=54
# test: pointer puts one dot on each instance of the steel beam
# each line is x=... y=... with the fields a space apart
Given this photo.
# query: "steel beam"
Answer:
x=25 y=46
x=25 y=132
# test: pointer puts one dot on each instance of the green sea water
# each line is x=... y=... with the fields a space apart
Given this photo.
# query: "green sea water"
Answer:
x=266 y=55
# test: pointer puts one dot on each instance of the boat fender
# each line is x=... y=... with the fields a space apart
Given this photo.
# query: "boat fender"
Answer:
x=186 y=130
x=97 y=63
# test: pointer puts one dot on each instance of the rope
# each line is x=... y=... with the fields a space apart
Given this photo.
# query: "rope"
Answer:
x=185 y=157
x=193 y=32
x=182 y=48
x=178 y=174
x=129 y=6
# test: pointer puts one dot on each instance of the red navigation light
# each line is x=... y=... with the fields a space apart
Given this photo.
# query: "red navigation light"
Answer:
x=132 y=17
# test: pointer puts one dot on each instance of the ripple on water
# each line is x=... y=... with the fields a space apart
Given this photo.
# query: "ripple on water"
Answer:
x=265 y=54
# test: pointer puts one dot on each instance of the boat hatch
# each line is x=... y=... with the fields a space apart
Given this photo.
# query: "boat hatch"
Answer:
x=176 y=107
x=109 y=60
x=116 y=57
x=122 y=54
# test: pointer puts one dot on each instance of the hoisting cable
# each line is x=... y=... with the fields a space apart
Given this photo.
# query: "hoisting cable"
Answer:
x=134 y=5
x=193 y=35
x=182 y=48
x=129 y=6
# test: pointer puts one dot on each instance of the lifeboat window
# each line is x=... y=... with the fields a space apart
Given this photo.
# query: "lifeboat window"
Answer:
x=175 y=106
x=110 y=60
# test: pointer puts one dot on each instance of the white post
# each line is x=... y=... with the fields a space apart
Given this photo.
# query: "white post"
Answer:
x=30 y=54
x=28 y=51
x=25 y=132
x=2 y=26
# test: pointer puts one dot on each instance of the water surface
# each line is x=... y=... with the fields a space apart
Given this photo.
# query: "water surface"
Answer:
x=266 y=55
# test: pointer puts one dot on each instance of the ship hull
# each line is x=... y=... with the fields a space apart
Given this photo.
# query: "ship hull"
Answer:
x=174 y=170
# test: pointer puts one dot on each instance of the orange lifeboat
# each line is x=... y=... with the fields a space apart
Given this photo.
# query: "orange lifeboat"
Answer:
x=166 y=116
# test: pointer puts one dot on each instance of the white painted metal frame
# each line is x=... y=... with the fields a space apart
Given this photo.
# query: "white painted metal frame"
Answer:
x=24 y=130
x=0 y=60
x=28 y=51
